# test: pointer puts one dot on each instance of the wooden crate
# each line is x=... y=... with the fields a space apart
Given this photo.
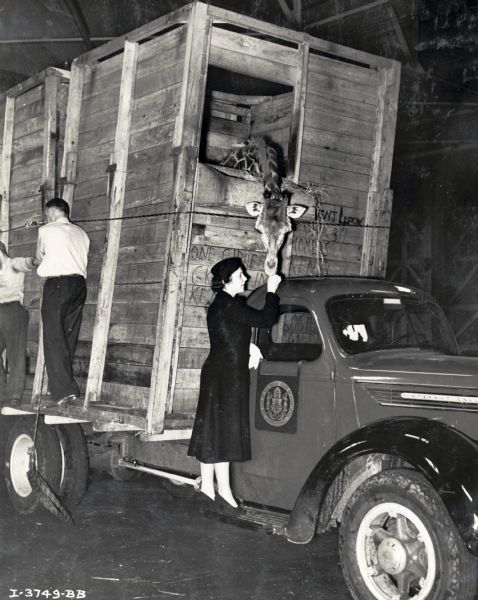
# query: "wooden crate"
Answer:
x=150 y=116
x=32 y=126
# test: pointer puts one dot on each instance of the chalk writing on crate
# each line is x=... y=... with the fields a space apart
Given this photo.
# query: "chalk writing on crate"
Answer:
x=52 y=594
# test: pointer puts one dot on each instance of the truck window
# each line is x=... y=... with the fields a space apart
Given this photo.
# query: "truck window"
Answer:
x=294 y=336
x=362 y=323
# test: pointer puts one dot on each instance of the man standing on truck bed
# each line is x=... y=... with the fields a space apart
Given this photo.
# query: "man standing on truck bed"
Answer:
x=13 y=324
x=62 y=252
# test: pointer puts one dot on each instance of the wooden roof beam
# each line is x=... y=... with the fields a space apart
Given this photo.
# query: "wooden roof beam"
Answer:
x=75 y=11
x=347 y=13
x=54 y=40
x=401 y=38
x=294 y=14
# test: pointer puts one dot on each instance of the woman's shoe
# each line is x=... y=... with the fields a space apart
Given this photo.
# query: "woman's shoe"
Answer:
x=205 y=503
x=225 y=508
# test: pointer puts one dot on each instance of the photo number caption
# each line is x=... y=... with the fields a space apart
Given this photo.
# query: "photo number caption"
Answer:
x=52 y=594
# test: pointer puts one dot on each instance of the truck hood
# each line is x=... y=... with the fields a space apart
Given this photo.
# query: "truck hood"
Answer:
x=416 y=367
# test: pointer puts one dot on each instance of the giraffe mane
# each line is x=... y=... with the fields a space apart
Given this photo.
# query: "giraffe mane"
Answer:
x=258 y=157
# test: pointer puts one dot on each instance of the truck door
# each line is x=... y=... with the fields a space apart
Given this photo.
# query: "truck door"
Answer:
x=292 y=408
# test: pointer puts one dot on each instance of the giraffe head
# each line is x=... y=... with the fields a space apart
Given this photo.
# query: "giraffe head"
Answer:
x=274 y=222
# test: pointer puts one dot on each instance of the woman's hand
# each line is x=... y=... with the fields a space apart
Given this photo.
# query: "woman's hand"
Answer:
x=273 y=283
x=255 y=356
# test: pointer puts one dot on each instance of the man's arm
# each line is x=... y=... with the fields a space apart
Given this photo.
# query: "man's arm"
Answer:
x=40 y=253
x=23 y=264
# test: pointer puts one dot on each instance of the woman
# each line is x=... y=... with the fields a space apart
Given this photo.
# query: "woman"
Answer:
x=221 y=429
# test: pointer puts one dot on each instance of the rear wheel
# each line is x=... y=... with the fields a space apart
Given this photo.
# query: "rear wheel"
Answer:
x=398 y=542
x=18 y=448
x=74 y=476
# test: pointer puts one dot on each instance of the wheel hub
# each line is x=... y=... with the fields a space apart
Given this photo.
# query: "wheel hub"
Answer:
x=395 y=553
x=392 y=556
x=20 y=464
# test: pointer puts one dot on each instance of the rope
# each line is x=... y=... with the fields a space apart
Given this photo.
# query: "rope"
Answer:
x=32 y=224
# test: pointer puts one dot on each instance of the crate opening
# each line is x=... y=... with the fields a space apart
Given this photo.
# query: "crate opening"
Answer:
x=238 y=107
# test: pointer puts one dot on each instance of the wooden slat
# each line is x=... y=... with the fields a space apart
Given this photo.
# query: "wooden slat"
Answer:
x=344 y=107
x=70 y=145
x=6 y=168
x=141 y=314
x=28 y=143
x=135 y=333
x=335 y=177
x=298 y=115
x=231 y=51
x=342 y=88
x=33 y=171
x=26 y=159
x=117 y=192
x=187 y=138
x=29 y=111
x=316 y=119
x=348 y=53
x=35 y=80
x=28 y=97
x=377 y=217
x=334 y=141
x=323 y=65
x=28 y=127
x=50 y=135
x=145 y=32
x=221 y=15
x=333 y=159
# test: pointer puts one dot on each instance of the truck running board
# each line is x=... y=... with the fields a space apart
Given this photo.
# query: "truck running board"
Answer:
x=264 y=519
x=254 y=517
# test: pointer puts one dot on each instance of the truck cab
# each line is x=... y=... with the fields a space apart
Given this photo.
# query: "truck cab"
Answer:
x=364 y=413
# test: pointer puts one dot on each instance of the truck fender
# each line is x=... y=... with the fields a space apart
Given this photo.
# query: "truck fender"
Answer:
x=446 y=457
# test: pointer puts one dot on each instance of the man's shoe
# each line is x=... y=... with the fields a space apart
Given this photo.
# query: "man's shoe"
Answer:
x=66 y=400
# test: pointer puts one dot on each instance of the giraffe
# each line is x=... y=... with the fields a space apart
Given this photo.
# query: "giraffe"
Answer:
x=273 y=214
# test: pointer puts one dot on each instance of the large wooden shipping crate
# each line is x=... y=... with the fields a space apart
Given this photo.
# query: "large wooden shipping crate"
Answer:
x=150 y=118
x=32 y=125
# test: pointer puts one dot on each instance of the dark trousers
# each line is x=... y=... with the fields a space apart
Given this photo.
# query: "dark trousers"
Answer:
x=61 y=311
x=13 y=339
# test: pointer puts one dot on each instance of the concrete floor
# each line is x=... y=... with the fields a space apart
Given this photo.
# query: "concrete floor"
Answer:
x=135 y=540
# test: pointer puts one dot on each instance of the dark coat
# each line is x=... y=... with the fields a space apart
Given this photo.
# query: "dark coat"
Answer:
x=221 y=430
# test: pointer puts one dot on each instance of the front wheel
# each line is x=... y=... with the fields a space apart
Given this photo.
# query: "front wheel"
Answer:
x=398 y=542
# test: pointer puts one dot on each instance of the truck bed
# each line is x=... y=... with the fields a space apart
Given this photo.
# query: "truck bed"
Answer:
x=105 y=416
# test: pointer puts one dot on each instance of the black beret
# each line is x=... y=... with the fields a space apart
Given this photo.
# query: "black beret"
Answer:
x=222 y=271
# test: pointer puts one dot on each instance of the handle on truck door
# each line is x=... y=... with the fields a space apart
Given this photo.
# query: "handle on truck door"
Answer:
x=297 y=374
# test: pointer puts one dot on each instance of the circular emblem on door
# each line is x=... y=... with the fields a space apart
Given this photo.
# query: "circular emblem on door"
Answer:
x=277 y=403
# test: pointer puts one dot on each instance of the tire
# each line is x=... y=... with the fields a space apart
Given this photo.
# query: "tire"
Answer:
x=5 y=424
x=17 y=461
x=75 y=465
x=397 y=540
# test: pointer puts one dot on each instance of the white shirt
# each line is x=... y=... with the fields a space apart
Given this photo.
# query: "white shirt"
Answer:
x=12 y=277
x=62 y=249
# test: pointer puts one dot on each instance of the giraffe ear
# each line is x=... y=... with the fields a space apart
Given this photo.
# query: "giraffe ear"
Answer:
x=295 y=211
x=254 y=208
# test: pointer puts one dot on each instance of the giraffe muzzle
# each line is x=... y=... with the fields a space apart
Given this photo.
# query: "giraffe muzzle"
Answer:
x=270 y=266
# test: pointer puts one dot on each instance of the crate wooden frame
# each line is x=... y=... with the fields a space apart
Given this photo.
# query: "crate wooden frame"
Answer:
x=289 y=65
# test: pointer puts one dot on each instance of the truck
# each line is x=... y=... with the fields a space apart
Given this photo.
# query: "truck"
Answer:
x=362 y=407
x=363 y=416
